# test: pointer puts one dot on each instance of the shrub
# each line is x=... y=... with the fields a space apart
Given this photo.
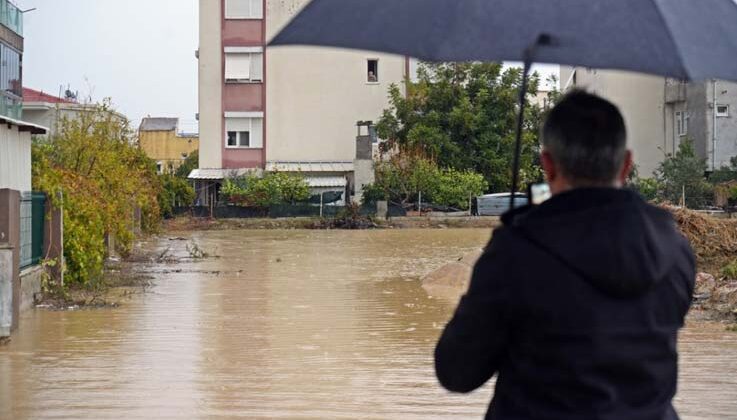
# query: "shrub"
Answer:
x=273 y=188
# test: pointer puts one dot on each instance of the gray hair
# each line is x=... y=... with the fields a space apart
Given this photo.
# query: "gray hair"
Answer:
x=586 y=137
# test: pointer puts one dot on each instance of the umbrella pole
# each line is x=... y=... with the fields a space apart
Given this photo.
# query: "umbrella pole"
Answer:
x=520 y=122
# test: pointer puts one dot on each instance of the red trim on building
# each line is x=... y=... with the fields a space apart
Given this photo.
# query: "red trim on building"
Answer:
x=243 y=97
x=32 y=95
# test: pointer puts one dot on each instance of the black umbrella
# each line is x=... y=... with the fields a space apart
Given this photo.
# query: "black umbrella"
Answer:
x=683 y=39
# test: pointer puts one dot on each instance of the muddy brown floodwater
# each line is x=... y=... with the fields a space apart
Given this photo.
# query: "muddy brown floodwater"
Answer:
x=297 y=324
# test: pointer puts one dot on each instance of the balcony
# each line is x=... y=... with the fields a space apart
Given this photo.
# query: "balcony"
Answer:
x=11 y=17
x=675 y=91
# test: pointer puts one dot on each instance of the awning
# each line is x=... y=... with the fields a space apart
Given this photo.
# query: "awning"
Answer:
x=326 y=181
x=24 y=126
x=309 y=166
x=221 y=174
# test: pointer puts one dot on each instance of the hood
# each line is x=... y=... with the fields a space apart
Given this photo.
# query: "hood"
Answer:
x=611 y=237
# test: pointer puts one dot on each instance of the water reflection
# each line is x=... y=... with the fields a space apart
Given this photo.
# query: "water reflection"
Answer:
x=285 y=324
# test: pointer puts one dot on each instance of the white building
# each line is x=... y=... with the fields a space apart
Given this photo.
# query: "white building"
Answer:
x=285 y=107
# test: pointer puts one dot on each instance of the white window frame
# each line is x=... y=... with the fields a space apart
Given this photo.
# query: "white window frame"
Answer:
x=377 y=74
x=244 y=9
x=253 y=58
x=681 y=123
x=253 y=123
x=722 y=114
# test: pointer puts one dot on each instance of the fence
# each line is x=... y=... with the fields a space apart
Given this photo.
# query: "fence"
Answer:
x=32 y=218
x=279 y=211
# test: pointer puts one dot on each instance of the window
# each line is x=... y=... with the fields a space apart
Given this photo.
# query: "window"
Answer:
x=244 y=67
x=244 y=9
x=722 y=110
x=372 y=71
x=681 y=123
x=244 y=133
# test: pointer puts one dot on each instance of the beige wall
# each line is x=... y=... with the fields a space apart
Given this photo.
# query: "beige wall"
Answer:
x=641 y=101
x=210 y=84
x=166 y=147
x=315 y=96
x=15 y=159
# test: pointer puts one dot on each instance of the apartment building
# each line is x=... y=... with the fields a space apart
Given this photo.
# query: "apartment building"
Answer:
x=660 y=113
x=292 y=109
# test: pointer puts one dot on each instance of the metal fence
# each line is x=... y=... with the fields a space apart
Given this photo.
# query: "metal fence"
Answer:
x=32 y=218
x=279 y=211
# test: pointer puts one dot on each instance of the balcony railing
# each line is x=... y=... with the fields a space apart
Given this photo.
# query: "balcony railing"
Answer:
x=11 y=17
x=11 y=107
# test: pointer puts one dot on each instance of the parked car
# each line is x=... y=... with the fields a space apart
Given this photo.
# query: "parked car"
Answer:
x=498 y=204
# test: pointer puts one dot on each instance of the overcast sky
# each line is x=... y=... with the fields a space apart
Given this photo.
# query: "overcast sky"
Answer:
x=140 y=53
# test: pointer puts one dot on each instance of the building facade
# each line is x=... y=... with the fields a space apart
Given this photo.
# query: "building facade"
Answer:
x=162 y=141
x=286 y=107
x=15 y=167
x=660 y=113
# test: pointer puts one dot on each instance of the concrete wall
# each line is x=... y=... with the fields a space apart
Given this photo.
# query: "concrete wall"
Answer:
x=315 y=96
x=166 y=147
x=640 y=98
x=10 y=235
x=6 y=289
x=30 y=286
x=726 y=127
x=211 y=84
x=15 y=159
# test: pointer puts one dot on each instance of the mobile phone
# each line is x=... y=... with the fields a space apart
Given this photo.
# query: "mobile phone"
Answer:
x=538 y=193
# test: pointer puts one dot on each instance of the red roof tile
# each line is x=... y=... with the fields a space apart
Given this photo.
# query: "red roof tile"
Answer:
x=32 y=95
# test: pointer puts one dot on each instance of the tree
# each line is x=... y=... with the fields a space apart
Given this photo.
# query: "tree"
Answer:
x=684 y=173
x=174 y=192
x=191 y=163
x=103 y=178
x=273 y=188
x=402 y=178
x=463 y=116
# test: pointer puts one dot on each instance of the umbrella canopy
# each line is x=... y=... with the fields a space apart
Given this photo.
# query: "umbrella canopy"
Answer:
x=684 y=39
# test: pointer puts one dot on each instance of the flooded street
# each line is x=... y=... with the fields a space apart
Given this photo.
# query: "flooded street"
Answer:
x=284 y=324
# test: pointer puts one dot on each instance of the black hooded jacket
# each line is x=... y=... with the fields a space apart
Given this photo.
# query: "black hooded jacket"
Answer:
x=576 y=305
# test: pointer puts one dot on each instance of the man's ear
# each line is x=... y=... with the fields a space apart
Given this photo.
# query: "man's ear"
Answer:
x=551 y=173
x=626 y=168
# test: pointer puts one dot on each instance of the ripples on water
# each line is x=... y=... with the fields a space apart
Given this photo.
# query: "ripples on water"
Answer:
x=298 y=324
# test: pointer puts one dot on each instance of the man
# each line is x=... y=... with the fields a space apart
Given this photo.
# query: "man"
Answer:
x=576 y=303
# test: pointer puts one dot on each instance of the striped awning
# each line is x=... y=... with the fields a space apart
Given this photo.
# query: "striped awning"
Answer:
x=326 y=181
x=221 y=174
x=309 y=166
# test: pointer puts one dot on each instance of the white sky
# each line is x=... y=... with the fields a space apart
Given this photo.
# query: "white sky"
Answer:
x=140 y=53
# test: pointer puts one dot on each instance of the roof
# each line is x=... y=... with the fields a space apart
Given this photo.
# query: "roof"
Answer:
x=24 y=126
x=32 y=95
x=220 y=174
x=309 y=166
x=159 y=124
x=326 y=181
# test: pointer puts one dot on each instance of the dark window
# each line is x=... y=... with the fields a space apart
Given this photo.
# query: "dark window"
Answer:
x=232 y=139
x=372 y=72
x=245 y=138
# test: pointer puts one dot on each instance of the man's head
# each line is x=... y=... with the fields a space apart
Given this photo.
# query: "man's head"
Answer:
x=584 y=144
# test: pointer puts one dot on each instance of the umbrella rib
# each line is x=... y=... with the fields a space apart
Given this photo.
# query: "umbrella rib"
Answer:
x=667 y=27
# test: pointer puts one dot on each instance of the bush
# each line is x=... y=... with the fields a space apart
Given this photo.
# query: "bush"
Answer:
x=174 y=192
x=401 y=179
x=271 y=189
x=103 y=178
x=684 y=173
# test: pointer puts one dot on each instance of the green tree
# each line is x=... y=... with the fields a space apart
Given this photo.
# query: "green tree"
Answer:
x=684 y=173
x=463 y=116
x=273 y=188
x=401 y=179
x=191 y=163
x=103 y=178
x=174 y=192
